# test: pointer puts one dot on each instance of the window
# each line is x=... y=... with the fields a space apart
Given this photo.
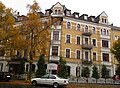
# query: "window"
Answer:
x=68 y=53
x=78 y=27
x=2 y=52
x=59 y=11
x=68 y=25
x=101 y=32
x=93 y=30
x=104 y=32
x=105 y=21
x=55 y=11
x=54 y=50
x=56 y=35
x=78 y=40
x=86 y=55
x=52 y=77
x=25 y=52
x=116 y=37
x=105 y=43
x=33 y=67
x=1 y=66
x=94 y=42
x=94 y=56
x=67 y=38
x=27 y=37
x=78 y=54
x=86 y=41
x=107 y=32
x=27 y=67
x=105 y=57
x=86 y=28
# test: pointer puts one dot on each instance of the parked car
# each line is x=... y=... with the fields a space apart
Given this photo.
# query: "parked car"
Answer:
x=50 y=79
x=5 y=76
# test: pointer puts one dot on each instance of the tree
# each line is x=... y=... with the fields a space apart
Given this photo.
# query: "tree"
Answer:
x=21 y=69
x=118 y=70
x=105 y=72
x=95 y=73
x=116 y=50
x=41 y=67
x=85 y=72
x=63 y=69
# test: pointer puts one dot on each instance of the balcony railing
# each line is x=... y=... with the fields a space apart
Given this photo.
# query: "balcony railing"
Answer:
x=86 y=62
x=55 y=42
x=87 y=33
x=87 y=46
x=56 y=26
x=54 y=58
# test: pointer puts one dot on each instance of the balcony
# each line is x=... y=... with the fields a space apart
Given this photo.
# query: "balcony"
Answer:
x=86 y=62
x=55 y=42
x=105 y=36
x=87 y=46
x=56 y=27
x=54 y=58
x=87 y=33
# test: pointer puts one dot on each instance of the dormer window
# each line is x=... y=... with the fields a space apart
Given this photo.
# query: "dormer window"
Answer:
x=85 y=17
x=55 y=11
x=59 y=11
x=104 y=20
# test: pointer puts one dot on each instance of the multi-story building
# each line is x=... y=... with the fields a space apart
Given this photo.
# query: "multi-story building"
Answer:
x=82 y=40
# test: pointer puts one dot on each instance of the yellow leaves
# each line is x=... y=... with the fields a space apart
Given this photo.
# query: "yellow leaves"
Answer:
x=2 y=6
x=34 y=7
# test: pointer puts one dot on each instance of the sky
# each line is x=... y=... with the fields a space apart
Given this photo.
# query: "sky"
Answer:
x=90 y=7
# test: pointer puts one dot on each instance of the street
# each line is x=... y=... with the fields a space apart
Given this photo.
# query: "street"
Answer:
x=22 y=86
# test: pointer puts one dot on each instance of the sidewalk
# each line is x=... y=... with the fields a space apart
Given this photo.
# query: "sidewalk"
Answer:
x=19 y=82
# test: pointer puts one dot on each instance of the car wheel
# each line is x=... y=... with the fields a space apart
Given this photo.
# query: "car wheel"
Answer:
x=55 y=85
x=34 y=83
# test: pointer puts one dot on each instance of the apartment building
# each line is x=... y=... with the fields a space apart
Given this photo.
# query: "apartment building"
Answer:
x=81 y=40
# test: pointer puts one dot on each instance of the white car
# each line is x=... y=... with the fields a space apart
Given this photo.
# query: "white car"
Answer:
x=50 y=79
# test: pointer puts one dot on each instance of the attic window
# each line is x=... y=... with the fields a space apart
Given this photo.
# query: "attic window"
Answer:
x=55 y=11
x=76 y=16
x=59 y=11
x=67 y=12
x=104 y=20
x=85 y=17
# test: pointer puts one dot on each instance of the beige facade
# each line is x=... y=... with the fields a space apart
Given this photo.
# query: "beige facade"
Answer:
x=85 y=39
x=81 y=40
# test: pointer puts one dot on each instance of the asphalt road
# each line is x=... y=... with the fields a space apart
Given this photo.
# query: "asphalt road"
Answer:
x=22 y=86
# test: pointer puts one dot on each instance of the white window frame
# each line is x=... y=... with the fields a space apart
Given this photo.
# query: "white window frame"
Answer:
x=77 y=27
x=88 y=54
x=94 y=31
x=65 y=52
x=80 y=39
x=70 y=38
x=80 y=53
x=96 y=55
x=67 y=25
x=92 y=42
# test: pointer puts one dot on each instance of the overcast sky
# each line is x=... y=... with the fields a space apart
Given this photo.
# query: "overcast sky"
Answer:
x=90 y=7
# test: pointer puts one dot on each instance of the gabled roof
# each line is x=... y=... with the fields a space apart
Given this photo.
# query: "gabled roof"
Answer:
x=64 y=8
x=102 y=14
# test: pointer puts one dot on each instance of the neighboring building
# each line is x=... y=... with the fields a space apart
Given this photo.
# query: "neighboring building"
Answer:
x=82 y=40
